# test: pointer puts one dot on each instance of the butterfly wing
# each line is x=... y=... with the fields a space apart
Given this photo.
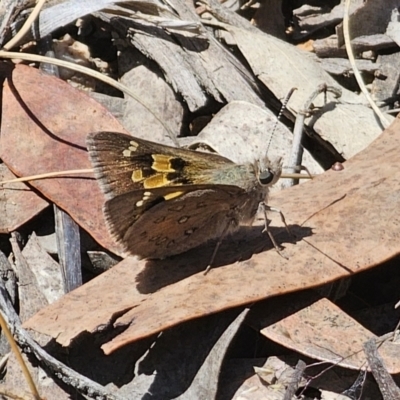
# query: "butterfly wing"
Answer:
x=166 y=221
x=163 y=200
x=124 y=163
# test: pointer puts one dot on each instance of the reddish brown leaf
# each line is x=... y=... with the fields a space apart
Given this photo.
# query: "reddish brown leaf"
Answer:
x=345 y=222
x=324 y=332
x=44 y=125
x=18 y=203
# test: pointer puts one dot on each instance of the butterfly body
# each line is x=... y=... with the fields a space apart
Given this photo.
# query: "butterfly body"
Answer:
x=162 y=200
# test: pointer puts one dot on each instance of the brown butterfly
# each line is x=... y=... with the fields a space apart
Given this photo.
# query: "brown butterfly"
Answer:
x=163 y=200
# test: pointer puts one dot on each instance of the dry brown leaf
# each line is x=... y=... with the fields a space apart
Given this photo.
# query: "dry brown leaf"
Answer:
x=324 y=332
x=18 y=203
x=345 y=222
x=47 y=121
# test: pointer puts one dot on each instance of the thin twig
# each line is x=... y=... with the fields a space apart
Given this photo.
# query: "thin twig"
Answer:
x=19 y=358
x=357 y=75
x=26 y=27
x=297 y=148
x=48 y=175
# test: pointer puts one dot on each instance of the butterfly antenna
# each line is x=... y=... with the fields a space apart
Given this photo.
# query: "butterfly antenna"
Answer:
x=284 y=104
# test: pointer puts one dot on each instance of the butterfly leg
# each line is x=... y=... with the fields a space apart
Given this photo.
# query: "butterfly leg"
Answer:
x=216 y=249
x=266 y=208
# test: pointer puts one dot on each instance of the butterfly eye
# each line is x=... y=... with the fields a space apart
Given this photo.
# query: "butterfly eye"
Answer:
x=266 y=177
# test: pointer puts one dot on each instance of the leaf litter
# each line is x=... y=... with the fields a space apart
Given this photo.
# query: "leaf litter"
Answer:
x=344 y=222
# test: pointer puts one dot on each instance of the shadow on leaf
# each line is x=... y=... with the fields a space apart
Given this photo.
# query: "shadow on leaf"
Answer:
x=234 y=248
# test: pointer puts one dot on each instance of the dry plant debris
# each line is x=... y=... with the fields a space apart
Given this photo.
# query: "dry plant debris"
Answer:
x=221 y=70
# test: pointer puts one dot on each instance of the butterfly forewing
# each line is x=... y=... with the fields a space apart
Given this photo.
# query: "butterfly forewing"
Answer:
x=123 y=163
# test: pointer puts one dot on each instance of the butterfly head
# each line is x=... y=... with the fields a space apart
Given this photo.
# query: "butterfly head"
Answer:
x=268 y=171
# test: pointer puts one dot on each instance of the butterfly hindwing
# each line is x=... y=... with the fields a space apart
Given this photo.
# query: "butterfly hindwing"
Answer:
x=165 y=221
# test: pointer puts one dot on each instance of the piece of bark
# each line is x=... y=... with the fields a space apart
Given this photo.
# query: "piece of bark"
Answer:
x=7 y=275
x=146 y=82
x=371 y=18
x=387 y=89
x=282 y=67
x=209 y=69
x=31 y=299
x=388 y=387
x=69 y=249
x=328 y=47
x=341 y=66
x=311 y=19
x=46 y=271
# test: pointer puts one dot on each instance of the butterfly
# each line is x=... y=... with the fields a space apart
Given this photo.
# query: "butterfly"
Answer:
x=162 y=200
